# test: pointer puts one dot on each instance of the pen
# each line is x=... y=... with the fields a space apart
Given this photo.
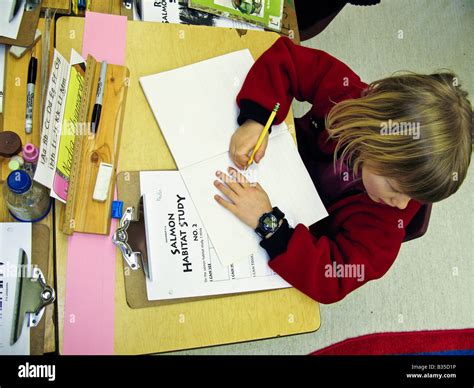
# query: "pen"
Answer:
x=263 y=133
x=138 y=7
x=30 y=93
x=15 y=8
x=98 y=98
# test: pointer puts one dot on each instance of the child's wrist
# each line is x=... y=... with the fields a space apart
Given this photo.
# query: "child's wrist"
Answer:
x=272 y=233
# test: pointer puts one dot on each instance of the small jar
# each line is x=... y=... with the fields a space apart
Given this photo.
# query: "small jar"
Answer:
x=30 y=156
x=27 y=201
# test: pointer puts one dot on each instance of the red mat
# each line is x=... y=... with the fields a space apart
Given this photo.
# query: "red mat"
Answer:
x=402 y=343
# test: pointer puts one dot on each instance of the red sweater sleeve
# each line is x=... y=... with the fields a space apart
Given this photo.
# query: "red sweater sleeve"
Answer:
x=361 y=244
x=287 y=70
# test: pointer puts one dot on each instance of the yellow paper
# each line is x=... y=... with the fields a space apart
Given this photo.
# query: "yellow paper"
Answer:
x=68 y=134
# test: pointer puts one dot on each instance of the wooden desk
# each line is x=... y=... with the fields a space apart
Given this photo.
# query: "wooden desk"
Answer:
x=151 y=48
x=61 y=6
x=14 y=120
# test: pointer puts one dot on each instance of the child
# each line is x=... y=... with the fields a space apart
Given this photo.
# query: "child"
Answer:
x=397 y=144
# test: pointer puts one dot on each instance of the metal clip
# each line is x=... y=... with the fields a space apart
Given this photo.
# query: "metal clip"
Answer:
x=33 y=295
x=120 y=239
x=31 y=5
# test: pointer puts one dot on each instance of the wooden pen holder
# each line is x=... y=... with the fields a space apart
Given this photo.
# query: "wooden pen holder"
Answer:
x=82 y=213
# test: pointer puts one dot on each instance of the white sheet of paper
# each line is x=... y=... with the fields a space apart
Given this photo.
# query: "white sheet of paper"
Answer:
x=52 y=120
x=199 y=138
x=13 y=236
x=2 y=74
x=195 y=105
x=65 y=127
x=284 y=179
x=183 y=262
x=10 y=29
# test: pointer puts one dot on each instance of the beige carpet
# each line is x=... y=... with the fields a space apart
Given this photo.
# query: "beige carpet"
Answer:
x=431 y=284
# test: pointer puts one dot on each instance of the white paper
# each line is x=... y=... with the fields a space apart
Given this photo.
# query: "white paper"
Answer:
x=199 y=137
x=52 y=120
x=10 y=29
x=171 y=11
x=59 y=181
x=282 y=175
x=182 y=261
x=13 y=237
x=2 y=74
x=195 y=105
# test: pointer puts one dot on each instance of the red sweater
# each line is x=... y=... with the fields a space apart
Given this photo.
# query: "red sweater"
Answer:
x=360 y=239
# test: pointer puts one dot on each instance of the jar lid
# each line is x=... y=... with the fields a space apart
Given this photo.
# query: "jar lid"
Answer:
x=10 y=144
x=14 y=165
x=19 y=181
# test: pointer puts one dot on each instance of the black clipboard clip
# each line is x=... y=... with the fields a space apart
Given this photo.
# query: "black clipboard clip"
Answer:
x=31 y=5
x=31 y=298
x=130 y=238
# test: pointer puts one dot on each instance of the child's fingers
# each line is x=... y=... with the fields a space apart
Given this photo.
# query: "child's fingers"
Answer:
x=238 y=155
x=239 y=178
x=231 y=182
x=259 y=155
x=228 y=205
x=228 y=192
x=242 y=158
x=261 y=151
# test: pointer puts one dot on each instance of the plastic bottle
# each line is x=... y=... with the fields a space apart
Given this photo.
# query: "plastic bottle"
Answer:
x=30 y=155
x=27 y=201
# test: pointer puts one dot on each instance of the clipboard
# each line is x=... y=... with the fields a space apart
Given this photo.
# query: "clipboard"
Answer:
x=128 y=191
x=39 y=257
x=27 y=31
x=32 y=293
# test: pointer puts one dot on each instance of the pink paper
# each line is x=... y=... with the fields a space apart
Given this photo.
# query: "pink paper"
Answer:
x=89 y=311
x=105 y=37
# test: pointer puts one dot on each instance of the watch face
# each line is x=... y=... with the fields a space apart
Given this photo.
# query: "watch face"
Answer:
x=270 y=223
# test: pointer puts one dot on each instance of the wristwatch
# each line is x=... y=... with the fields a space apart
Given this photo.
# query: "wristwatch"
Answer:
x=269 y=222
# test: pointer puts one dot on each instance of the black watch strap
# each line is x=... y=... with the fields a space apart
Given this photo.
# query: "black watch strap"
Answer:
x=277 y=213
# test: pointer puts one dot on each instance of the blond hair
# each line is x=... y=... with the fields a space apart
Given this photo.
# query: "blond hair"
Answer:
x=428 y=168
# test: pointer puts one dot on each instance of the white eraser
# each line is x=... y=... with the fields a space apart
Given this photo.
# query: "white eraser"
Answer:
x=102 y=183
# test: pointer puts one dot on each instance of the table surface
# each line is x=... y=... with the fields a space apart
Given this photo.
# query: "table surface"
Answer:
x=152 y=48
x=14 y=120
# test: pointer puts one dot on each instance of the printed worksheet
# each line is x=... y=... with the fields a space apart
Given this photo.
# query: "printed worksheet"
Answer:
x=182 y=260
x=199 y=140
x=52 y=120
x=69 y=127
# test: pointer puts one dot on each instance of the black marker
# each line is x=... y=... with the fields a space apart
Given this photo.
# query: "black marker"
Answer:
x=98 y=99
x=30 y=93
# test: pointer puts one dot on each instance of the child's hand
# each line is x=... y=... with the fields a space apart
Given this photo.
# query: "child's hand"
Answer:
x=248 y=201
x=243 y=142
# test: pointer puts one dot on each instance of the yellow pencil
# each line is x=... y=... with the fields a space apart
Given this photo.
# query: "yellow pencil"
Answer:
x=264 y=132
